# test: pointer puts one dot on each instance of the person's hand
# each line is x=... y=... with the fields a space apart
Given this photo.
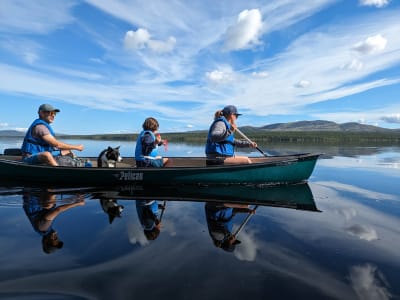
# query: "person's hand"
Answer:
x=233 y=127
x=253 y=145
x=79 y=147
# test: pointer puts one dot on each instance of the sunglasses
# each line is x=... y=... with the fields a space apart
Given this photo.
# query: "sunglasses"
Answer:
x=51 y=113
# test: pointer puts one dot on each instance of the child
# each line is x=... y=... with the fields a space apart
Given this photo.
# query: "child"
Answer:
x=146 y=152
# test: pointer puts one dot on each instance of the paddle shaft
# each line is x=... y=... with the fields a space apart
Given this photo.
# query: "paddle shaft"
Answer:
x=244 y=222
x=250 y=141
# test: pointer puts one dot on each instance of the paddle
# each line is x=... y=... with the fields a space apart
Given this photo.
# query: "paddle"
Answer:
x=244 y=222
x=163 y=208
x=250 y=141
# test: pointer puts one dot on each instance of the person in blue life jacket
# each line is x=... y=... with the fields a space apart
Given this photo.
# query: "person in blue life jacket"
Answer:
x=149 y=216
x=146 y=151
x=219 y=218
x=41 y=210
x=221 y=143
x=40 y=144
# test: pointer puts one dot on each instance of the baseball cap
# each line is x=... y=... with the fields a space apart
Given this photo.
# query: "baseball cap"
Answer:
x=48 y=107
x=230 y=109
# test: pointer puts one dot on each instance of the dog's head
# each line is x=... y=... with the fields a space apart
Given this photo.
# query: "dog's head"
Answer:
x=113 y=154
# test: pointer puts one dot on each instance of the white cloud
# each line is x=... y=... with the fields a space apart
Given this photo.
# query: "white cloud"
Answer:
x=353 y=65
x=303 y=84
x=262 y=74
x=222 y=75
x=141 y=39
x=246 y=32
x=41 y=16
x=4 y=124
x=395 y=118
x=377 y=3
x=371 y=45
x=369 y=283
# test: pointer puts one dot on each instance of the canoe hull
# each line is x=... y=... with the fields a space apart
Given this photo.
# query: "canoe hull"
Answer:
x=281 y=170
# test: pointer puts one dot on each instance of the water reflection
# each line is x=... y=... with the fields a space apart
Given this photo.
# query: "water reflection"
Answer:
x=42 y=209
x=150 y=217
x=111 y=208
x=220 y=217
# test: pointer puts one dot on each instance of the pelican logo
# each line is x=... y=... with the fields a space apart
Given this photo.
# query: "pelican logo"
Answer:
x=130 y=176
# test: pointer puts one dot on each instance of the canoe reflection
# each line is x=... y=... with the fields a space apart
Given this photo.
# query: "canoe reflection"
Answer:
x=42 y=208
x=297 y=196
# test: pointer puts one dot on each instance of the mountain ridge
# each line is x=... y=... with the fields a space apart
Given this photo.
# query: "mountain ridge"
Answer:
x=300 y=126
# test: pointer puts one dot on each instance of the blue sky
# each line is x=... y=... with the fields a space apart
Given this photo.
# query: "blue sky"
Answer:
x=110 y=64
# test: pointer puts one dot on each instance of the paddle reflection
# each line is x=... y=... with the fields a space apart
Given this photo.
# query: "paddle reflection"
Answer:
x=42 y=208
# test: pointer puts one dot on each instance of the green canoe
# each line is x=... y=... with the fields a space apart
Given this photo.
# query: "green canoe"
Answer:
x=286 y=169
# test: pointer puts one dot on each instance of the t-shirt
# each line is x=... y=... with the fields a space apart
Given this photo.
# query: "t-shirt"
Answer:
x=39 y=131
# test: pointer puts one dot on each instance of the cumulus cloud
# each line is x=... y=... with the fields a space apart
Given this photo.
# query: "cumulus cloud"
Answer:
x=141 y=39
x=220 y=76
x=303 y=84
x=246 y=32
x=391 y=119
x=371 y=45
x=377 y=3
x=369 y=283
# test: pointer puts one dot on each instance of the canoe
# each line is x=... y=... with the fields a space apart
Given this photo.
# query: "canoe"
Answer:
x=274 y=170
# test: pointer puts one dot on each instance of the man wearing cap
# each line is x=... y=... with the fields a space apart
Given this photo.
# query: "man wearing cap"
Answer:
x=40 y=145
x=220 y=146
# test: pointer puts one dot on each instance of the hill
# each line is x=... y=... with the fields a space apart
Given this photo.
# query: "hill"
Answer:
x=11 y=133
x=320 y=125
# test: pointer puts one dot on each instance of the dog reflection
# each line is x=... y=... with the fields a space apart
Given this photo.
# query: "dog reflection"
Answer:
x=111 y=208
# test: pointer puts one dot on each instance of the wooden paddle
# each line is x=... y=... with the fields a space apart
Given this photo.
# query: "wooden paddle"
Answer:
x=250 y=141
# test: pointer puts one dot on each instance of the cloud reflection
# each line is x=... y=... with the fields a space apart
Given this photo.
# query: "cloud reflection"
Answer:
x=369 y=283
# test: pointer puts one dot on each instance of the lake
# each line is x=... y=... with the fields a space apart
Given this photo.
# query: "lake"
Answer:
x=337 y=237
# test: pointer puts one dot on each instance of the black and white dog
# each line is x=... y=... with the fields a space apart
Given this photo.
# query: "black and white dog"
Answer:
x=109 y=157
x=111 y=208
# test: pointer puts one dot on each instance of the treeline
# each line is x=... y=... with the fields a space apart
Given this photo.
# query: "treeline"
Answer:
x=293 y=137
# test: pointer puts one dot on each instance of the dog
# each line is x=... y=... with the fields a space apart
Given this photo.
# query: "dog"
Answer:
x=109 y=157
x=111 y=208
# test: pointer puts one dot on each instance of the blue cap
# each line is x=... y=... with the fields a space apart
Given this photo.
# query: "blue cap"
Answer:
x=48 y=107
x=229 y=110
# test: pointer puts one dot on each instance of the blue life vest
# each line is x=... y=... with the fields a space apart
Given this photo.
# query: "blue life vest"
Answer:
x=139 y=155
x=34 y=145
x=225 y=147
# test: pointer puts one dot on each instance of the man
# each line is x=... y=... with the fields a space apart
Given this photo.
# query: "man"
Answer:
x=40 y=145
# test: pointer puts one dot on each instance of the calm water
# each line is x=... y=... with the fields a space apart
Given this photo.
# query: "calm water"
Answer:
x=342 y=241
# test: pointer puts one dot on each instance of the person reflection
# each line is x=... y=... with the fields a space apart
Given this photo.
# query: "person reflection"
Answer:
x=219 y=218
x=41 y=209
x=150 y=218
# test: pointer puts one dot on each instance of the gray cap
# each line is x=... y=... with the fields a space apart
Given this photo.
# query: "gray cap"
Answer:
x=230 y=109
x=48 y=107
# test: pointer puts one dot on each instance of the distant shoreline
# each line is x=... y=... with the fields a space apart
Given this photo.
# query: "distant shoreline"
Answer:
x=290 y=137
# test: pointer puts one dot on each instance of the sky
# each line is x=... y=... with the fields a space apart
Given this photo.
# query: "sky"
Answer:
x=108 y=65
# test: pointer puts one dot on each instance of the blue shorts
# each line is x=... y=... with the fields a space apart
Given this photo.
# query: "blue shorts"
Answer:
x=150 y=163
x=32 y=160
